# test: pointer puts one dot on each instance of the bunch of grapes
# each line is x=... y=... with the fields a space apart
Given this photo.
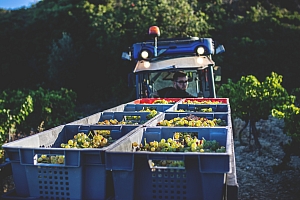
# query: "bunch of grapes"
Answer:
x=181 y=142
x=95 y=139
x=201 y=102
x=163 y=101
x=192 y=121
x=134 y=120
x=109 y=122
x=204 y=109
x=57 y=159
x=152 y=111
x=167 y=163
x=197 y=109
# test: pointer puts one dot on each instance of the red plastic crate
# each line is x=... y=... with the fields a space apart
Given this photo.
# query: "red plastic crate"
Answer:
x=221 y=100
x=151 y=100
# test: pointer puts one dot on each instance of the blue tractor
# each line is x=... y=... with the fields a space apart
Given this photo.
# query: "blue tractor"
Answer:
x=157 y=60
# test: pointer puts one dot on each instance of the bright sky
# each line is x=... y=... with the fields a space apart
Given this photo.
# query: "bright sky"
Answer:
x=15 y=4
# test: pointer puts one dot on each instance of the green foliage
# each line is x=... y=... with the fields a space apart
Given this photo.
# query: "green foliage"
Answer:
x=252 y=100
x=49 y=107
x=259 y=37
x=13 y=111
x=291 y=115
x=53 y=108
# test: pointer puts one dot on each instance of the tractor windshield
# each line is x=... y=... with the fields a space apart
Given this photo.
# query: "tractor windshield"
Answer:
x=163 y=79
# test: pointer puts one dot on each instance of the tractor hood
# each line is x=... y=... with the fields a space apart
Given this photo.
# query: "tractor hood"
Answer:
x=187 y=62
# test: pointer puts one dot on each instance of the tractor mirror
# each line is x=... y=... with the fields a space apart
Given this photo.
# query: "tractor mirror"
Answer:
x=220 y=49
x=217 y=74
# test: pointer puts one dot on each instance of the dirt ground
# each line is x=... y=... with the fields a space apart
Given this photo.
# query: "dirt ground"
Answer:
x=255 y=175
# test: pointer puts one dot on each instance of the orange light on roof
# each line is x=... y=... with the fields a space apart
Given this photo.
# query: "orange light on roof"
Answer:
x=154 y=30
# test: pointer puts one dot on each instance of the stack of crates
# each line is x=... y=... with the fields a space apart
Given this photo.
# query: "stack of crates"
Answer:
x=83 y=173
x=201 y=176
x=117 y=171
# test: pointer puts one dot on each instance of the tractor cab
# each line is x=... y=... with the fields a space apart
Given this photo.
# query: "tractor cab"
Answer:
x=156 y=61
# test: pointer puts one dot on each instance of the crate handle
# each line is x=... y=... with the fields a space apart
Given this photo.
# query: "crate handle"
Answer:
x=166 y=164
x=157 y=161
x=84 y=128
x=49 y=160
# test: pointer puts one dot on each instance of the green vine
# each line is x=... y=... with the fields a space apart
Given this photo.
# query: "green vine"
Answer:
x=252 y=100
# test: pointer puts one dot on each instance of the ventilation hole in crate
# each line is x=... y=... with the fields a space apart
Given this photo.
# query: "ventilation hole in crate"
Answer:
x=49 y=189
x=169 y=184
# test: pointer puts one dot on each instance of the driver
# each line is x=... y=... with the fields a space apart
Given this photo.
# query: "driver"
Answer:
x=180 y=84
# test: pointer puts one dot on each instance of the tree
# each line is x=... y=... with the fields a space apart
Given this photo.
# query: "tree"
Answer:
x=63 y=62
x=290 y=113
x=252 y=100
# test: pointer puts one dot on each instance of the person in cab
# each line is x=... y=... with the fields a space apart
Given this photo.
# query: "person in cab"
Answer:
x=180 y=85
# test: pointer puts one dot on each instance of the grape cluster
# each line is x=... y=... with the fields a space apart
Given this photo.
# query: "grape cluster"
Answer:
x=57 y=159
x=130 y=119
x=133 y=120
x=192 y=121
x=163 y=101
x=95 y=139
x=167 y=163
x=201 y=102
x=181 y=142
x=197 y=109
x=152 y=111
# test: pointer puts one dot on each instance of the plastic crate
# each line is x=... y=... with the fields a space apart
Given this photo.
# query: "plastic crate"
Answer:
x=151 y=100
x=157 y=107
x=89 y=120
x=120 y=116
x=130 y=107
x=198 y=107
x=83 y=174
x=202 y=177
x=205 y=100
x=171 y=115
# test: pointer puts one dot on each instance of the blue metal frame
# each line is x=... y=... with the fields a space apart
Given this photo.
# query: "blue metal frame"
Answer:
x=173 y=46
